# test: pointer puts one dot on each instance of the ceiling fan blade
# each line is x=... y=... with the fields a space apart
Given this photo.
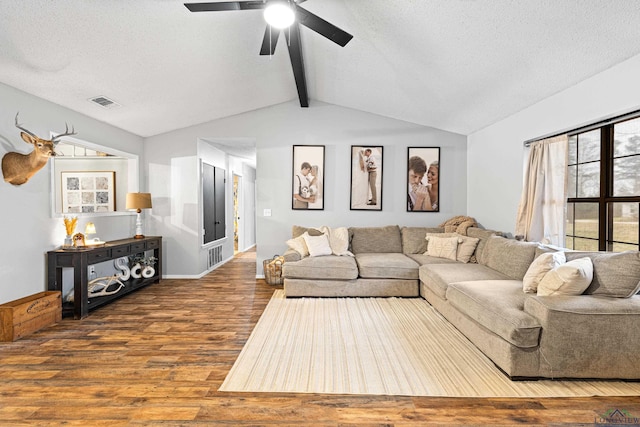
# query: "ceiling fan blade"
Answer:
x=295 y=55
x=226 y=5
x=269 y=41
x=322 y=27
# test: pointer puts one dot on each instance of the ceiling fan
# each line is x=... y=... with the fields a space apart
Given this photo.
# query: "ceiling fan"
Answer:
x=292 y=34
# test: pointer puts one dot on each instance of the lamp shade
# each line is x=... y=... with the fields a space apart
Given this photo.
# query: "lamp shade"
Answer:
x=90 y=228
x=138 y=201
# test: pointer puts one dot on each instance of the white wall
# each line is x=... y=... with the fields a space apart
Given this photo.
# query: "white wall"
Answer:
x=496 y=153
x=276 y=129
x=173 y=171
x=28 y=231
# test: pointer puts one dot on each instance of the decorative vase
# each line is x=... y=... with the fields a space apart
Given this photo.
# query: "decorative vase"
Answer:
x=136 y=271
x=148 y=271
x=68 y=241
x=122 y=264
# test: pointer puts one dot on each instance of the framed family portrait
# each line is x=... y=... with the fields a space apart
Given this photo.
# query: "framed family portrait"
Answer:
x=308 y=177
x=423 y=185
x=88 y=192
x=366 y=178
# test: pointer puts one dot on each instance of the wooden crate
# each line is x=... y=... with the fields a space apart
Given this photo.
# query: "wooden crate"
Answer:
x=26 y=315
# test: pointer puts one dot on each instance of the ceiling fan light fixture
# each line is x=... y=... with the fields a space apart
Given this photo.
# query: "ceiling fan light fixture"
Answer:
x=279 y=15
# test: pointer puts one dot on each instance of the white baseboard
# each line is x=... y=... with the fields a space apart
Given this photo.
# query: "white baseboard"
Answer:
x=196 y=276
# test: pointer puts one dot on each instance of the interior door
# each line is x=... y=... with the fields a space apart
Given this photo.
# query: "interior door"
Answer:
x=213 y=202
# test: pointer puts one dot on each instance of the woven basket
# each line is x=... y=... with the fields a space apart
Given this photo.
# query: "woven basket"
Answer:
x=273 y=270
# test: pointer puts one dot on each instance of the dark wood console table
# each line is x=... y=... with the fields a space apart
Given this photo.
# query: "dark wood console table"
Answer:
x=81 y=259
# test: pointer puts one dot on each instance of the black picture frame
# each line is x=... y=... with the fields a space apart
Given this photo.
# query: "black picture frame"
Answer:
x=308 y=193
x=367 y=164
x=421 y=181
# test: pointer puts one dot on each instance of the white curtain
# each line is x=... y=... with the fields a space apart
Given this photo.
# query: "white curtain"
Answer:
x=541 y=214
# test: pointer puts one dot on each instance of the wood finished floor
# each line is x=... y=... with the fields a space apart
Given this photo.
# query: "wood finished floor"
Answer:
x=158 y=357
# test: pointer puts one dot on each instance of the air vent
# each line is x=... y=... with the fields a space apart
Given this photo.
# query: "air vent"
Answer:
x=105 y=102
x=215 y=256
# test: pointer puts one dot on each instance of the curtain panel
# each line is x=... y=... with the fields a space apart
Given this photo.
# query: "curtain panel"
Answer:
x=542 y=213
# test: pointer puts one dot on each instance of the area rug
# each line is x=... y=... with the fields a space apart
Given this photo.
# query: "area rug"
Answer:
x=379 y=346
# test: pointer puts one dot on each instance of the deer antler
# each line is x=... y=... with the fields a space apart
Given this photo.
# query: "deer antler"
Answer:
x=19 y=126
x=56 y=138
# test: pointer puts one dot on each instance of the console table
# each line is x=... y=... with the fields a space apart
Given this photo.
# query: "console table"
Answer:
x=81 y=259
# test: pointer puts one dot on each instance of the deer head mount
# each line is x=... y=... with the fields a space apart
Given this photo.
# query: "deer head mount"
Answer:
x=18 y=168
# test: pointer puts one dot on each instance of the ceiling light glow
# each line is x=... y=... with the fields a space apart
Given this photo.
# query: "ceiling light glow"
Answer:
x=279 y=15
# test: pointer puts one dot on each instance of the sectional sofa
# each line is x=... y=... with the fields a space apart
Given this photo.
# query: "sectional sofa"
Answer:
x=478 y=285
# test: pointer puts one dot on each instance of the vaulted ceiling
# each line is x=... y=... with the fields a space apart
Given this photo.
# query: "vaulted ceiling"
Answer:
x=457 y=65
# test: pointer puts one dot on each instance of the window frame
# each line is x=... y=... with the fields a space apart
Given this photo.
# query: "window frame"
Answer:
x=606 y=200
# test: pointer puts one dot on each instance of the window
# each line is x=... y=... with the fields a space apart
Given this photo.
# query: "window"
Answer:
x=603 y=188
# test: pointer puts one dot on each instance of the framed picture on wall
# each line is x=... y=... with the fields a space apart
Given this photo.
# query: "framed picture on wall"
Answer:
x=88 y=192
x=423 y=185
x=366 y=178
x=308 y=177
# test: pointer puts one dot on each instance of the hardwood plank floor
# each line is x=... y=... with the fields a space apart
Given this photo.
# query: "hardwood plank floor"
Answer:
x=158 y=357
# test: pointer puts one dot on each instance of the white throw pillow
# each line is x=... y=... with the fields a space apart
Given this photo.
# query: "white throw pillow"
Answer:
x=572 y=278
x=299 y=245
x=317 y=245
x=339 y=241
x=466 y=245
x=539 y=268
x=443 y=247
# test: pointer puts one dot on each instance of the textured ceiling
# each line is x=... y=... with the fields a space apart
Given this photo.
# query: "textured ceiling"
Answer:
x=457 y=65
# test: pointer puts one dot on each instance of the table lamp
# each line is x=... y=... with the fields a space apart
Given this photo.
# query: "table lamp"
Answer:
x=139 y=201
x=90 y=229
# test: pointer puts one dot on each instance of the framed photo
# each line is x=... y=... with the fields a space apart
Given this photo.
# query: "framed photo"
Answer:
x=88 y=192
x=423 y=185
x=366 y=178
x=308 y=177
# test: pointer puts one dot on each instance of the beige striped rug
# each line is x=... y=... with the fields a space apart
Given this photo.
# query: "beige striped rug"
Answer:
x=381 y=346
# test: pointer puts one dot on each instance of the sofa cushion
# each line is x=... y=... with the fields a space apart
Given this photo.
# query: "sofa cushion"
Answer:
x=297 y=230
x=571 y=278
x=614 y=274
x=483 y=235
x=413 y=238
x=509 y=256
x=422 y=259
x=376 y=239
x=498 y=305
x=437 y=277
x=386 y=266
x=325 y=267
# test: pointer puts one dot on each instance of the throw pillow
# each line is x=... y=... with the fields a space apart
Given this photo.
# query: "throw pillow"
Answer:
x=466 y=245
x=339 y=241
x=442 y=247
x=317 y=245
x=540 y=266
x=466 y=248
x=299 y=245
x=572 y=278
